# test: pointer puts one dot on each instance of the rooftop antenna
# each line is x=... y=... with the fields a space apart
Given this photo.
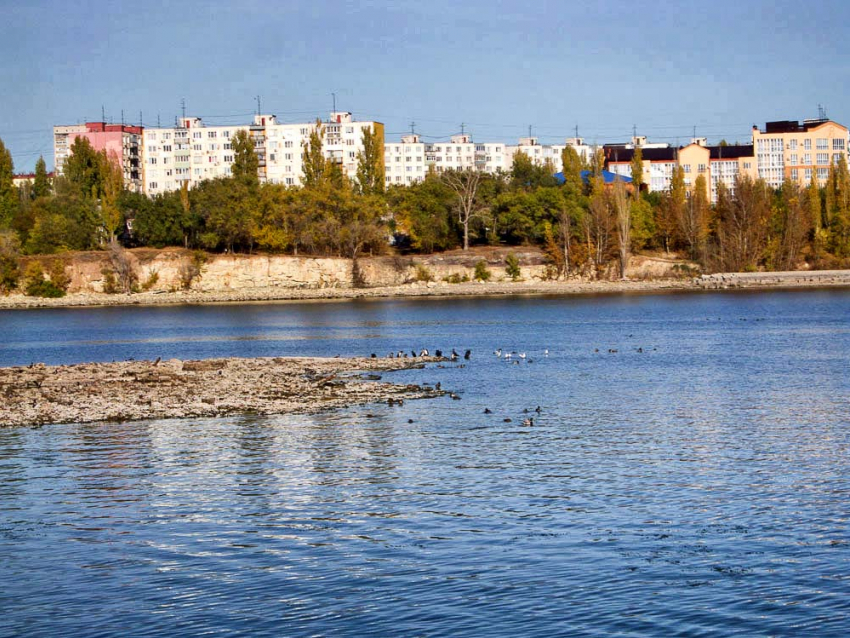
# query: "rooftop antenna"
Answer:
x=413 y=128
x=157 y=121
x=183 y=105
x=333 y=95
x=259 y=107
x=821 y=112
x=462 y=128
x=122 y=117
x=695 y=132
x=103 y=113
x=576 y=133
x=529 y=130
x=634 y=130
x=141 y=121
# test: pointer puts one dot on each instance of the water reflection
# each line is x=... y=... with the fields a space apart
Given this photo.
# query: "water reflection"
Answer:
x=697 y=487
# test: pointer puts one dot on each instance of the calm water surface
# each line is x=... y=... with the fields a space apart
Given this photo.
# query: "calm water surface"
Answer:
x=700 y=487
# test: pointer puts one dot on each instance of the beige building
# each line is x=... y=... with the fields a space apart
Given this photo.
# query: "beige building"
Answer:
x=717 y=164
x=788 y=150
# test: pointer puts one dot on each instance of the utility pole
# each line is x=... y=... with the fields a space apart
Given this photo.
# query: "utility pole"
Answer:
x=103 y=114
x=259 y=106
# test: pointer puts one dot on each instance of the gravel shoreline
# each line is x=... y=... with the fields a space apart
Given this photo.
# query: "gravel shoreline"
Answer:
x=432 y=289
x=766 y=281
x=136 y=390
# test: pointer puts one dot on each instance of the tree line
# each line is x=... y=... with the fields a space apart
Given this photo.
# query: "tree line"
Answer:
x=583 y=225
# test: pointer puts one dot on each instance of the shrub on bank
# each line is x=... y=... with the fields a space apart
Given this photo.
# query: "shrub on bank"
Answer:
x=512 y=266
x=481 y=271
x=53 y=283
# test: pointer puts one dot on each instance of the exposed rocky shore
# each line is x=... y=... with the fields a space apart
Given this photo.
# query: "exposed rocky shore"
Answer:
x=133 y=390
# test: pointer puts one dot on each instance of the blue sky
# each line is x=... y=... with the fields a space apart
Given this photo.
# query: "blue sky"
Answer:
x=498 y=67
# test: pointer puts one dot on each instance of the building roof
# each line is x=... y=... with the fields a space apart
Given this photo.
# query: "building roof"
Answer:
x=731 y=151
x=607 y=176
x=792 y=126
x=617 y=153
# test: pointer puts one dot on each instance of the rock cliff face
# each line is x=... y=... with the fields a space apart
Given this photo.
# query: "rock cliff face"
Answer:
x=175 y=269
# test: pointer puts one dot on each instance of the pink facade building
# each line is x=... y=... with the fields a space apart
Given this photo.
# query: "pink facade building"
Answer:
x=122 y=143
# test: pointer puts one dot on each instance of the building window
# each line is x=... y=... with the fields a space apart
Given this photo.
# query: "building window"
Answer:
x=747 y=165
x=792 y=145
x=838 y=144
x=289 y=181
x=808 y=174
x=228 y=146
x=152 y=186
x=822 y=143
x=836 y=157
x=807 y=158
x=794 y=173
x=197 y=147
x=211 y=134
x=196 y=135
x=823 y=173
x=686 y=168
x=701 y=168
x=793 y=158
x=807 y=145
x=225 y=134
x=823 y=158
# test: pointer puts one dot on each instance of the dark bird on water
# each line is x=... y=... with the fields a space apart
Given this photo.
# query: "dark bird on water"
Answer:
x=439 y=354
x=488 y=411
x=528 y=422
x=506 y=420
x=438 y=386
x=467 y=354
x=538 y=410
x=454 y=396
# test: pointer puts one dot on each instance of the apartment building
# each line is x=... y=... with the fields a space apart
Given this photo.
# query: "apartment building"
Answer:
x=121 y=142
x=409 y=161
x=192 y=151
x=717 y=164
x=788 y=150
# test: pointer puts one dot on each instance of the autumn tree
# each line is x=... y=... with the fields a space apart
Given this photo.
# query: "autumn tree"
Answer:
x=599 y=225
x=622 y=207
x=469 y=207
x=742 y=224
x=317 y=169
x=111 y=187
x=671 y=208
x=791 y=226
x=693 y=219
x=370 y=163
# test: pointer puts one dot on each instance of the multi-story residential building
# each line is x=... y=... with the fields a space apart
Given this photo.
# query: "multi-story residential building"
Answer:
x=193 y=151
x=717 y=164
x=788 y=150
x=410 y=160
x=122 y=143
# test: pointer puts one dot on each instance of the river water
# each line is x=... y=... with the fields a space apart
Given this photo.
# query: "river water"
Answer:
x=696 y=481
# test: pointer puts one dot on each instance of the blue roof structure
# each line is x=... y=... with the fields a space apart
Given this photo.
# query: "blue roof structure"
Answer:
x=607 y=176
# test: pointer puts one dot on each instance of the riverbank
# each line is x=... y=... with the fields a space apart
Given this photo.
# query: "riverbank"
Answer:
x=134 y=390
x=722 y=281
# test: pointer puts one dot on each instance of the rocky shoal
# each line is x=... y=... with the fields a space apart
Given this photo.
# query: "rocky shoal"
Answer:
x=134 y=390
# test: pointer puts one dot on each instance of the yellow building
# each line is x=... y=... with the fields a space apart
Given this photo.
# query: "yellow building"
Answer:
x=788 y=150
x=717 y=164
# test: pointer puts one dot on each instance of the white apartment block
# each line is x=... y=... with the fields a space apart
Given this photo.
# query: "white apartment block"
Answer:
x=193 y=152
x=410 y=160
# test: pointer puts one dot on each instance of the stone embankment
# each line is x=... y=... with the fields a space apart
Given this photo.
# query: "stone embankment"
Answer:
x=787 y=279
x=133 y=390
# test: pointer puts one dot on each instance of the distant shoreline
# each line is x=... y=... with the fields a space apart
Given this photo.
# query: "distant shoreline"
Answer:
x=734 y=281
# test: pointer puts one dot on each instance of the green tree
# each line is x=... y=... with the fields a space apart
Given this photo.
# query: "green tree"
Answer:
x=637 y=172
x=245 y=161
x=370 y=163
x=272 y=226
x=83 y=169
x=573 y=166
x=423 y=212
x=317 y=169
x=41 y=184
x=227 y=207
x=8 y=196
